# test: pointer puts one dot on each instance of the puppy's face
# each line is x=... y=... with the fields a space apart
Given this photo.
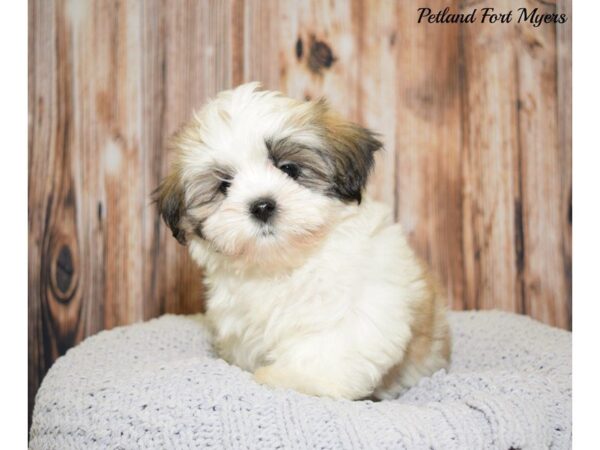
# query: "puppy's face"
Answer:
x=259 y=176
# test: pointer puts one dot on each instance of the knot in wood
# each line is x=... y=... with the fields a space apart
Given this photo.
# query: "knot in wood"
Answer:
x=321 y=56
x=64 y=269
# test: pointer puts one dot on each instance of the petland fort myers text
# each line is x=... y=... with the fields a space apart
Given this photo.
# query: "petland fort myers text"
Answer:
x=490 y=15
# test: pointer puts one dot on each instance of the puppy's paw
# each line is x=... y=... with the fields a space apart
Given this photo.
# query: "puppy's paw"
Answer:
x=304 y=382
x=270 y=376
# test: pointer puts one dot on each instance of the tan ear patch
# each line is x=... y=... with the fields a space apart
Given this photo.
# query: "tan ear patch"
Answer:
x=169 y=198
x=351 y=148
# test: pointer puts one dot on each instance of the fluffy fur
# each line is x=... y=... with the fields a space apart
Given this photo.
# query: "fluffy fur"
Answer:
x=325 y=295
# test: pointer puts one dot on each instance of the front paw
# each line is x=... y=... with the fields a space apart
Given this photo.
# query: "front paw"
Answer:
x=269 y=376
x=304 y=382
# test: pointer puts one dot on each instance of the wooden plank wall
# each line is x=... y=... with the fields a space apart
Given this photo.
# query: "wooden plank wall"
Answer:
x=476 y=120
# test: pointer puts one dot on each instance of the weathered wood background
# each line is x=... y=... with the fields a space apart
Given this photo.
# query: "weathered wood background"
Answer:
x=476 y=120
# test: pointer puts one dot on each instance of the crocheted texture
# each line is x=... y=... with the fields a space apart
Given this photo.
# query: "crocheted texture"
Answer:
x=159 y=385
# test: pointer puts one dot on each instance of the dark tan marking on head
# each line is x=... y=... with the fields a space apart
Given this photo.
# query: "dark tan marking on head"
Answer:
x=315 y=168
x=169 y=198
x=185 y=204
x=341 y=165
x=351 y=147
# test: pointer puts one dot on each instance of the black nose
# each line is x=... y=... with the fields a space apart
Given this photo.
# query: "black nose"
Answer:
x=263 y=209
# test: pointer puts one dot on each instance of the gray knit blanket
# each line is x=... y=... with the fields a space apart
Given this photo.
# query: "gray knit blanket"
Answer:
x=159 y=385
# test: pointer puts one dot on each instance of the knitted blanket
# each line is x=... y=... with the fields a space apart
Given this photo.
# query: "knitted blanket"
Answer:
x=159 y=385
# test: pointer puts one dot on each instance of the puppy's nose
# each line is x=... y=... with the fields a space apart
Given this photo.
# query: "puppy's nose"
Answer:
x=263 y=209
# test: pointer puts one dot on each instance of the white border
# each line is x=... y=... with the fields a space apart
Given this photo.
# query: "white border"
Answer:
x=586 y=223
x=13 y=243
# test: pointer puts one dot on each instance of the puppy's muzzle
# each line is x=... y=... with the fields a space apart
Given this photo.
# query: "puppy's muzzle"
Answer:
x=263 y=209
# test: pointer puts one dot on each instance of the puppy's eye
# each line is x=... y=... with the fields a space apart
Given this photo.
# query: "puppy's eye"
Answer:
x=291 y=169
x=224 y=186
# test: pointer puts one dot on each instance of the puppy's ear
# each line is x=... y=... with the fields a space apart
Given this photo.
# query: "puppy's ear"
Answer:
x=169 y=198
x=351 y=149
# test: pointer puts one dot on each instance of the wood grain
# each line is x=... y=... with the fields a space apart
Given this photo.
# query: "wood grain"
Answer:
x=564 y=123
x=57 y=278
x=492 y=204
x=261 y=58
x=428 y=142
x=476 y=121
x=319 y=50
x=543 y=207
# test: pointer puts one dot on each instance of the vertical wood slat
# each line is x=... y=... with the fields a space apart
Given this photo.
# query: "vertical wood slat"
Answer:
x=475 y=118
x=492 y=207
x=564 y=105
x=89 y=173
x=153 y=35
x=428 y=144
x=42 y=177
x=114 y=74
x=543 y=208
x=59 y=273
x=260 y=42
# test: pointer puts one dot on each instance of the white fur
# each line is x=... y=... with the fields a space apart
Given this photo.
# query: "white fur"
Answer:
x=324 y=299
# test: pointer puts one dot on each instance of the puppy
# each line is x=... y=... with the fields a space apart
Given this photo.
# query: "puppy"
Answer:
x=310 y=285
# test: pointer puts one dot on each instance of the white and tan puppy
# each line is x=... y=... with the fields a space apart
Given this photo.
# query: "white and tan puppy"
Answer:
x=310 y=285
